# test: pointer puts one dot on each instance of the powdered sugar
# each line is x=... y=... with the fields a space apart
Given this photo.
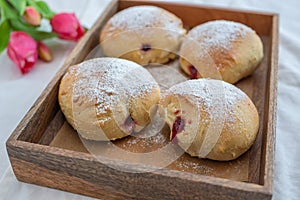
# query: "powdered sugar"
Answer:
x=144 y=17
x=210 y=40
x=107 y=82
x=187 y=165
x=217 y=98
x=216 y=36
x=158 y=139
x=210 y=99
x=202 y=90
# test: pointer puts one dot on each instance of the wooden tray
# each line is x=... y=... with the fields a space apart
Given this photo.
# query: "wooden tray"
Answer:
x=44 y=150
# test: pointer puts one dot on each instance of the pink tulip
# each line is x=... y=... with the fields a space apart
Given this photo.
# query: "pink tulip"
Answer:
x=67 y=26
x=44 y=52
x=22 y=50
x=32 y=16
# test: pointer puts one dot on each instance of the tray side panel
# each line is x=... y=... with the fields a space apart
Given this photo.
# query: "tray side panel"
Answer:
x=52 y=129
x=95 y=179
x=36 y=121
x=271 y=105
x=259 y=89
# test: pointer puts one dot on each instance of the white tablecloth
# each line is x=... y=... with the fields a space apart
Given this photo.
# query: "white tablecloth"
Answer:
x=18 y=93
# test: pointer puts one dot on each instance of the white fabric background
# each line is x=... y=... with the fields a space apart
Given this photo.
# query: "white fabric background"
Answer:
x=18 y=93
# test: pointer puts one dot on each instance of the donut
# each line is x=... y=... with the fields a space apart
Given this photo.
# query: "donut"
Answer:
x=107 y=98
x=143 y=34
x=221 y=49
x=210 y=118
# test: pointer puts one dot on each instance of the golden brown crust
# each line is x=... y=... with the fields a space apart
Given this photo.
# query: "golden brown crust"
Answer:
x=126 y=32
x=230 y=62
x=65 y=94
x=237 y=133
x=237 y=139
x=85 y=114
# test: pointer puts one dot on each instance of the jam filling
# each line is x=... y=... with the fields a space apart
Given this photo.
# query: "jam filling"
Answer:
x=193 y=72
x=129 y=124
x=178 y=126
x=146 y=47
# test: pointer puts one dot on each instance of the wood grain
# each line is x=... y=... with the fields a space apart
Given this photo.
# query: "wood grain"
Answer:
x=52 y=129
x=268 y=146
x=57 y=170
x=259 y=99
x=35 y=160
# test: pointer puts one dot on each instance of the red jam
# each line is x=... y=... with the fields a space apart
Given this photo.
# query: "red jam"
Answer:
x=193 y=72
x=178 y=126
x=129 y=124
x=146 y=47
x=176 y=112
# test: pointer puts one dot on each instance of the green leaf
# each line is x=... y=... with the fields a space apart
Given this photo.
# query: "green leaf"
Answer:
x=19 y=5
x=43 y=8
x=4 y=31
x=2 y=19
x=42 y=35
x=7 y=12
x=31 y=30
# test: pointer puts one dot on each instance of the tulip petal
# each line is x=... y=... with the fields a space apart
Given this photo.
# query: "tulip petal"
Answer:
x=32 y=16
x=22 y=50
x=67 y=26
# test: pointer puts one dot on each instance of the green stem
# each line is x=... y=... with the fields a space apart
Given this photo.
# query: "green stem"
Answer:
x=18 y=25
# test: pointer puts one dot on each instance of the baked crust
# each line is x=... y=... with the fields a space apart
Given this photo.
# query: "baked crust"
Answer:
x=222 y=50
x=95 y=100
x=203 y=106
x=143 y=34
